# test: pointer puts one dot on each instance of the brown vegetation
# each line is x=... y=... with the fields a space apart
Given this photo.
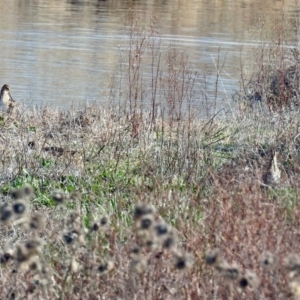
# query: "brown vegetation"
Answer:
x=137 y=203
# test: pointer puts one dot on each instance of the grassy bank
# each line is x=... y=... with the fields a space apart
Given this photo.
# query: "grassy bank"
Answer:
x=133 y=203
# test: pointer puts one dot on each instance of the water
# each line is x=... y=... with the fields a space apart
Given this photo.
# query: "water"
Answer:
x=64 y=52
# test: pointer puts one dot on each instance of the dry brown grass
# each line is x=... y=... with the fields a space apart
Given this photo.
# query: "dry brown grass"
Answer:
x=204 y=179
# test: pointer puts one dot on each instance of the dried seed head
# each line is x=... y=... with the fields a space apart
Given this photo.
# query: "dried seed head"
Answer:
x=27 y=191
x=170 y=241
x=159 y=255
x=248 y=279
x=143 y=209
x=105 y=267
x=32 y=245
x=6 y=256
x=45 y=270
x=136 y=250
x=150 y=243
x=161 y=229
x=95 y=227
x=73 y=236
x=183 y=260
x=58 y=196
x=11 y=295
x=70 y=237
x=231 y=272
x=25 y=251
x=6 y=213
x=146 y=222
x=37 y=221
x=213 y=257
x=101 y=225
x=104 y=221
x=292 y=262
x=268 y=260
x=243 y=282
x=19 y=207
x=17 y=194
x=34 y=264
x=102 y=267
x=222 y=265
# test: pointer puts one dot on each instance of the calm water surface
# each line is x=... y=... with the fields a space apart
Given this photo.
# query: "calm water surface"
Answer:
x=64 y=52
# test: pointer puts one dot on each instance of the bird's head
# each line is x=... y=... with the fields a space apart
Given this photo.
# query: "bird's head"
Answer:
x=4 y=89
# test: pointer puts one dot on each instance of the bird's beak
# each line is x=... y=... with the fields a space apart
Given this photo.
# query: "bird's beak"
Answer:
x=11 y=98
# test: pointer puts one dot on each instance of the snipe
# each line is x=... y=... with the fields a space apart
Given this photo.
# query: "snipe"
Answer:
x=273 y=173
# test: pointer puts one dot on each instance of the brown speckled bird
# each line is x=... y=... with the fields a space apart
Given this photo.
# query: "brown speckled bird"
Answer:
x=273 y=174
